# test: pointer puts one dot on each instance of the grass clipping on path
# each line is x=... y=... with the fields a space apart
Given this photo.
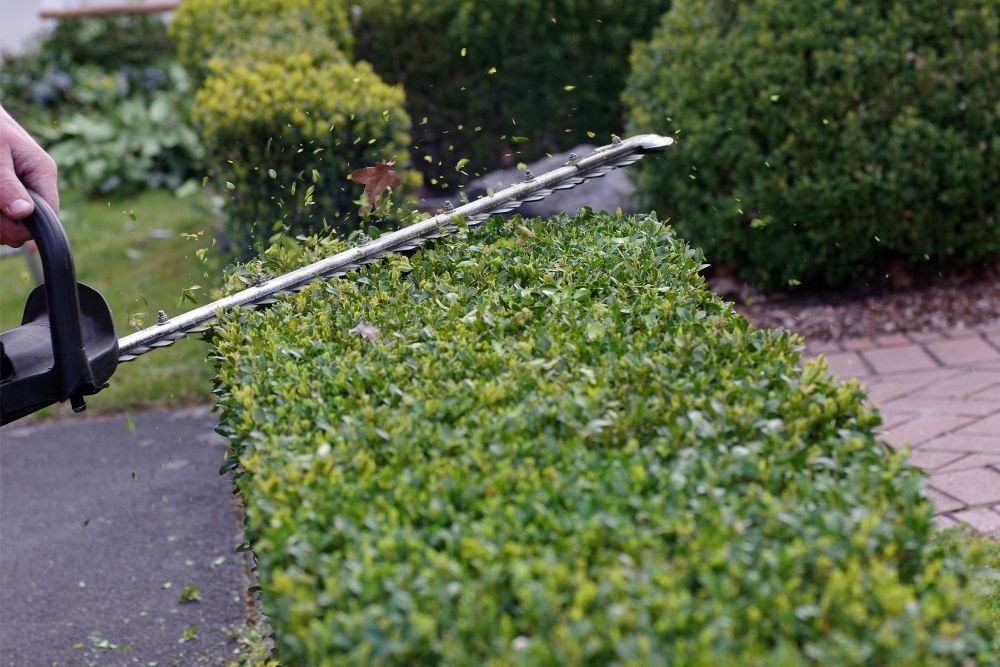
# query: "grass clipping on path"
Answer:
x=141 y=253
x=550 y=444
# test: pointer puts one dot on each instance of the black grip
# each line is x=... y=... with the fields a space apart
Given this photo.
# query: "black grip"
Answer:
x=70 y=359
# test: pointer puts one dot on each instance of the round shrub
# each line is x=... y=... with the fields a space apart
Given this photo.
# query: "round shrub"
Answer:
x=549 y=71
x=554 y=446
x=821 y=141
x=284 y=135
x=204 y=29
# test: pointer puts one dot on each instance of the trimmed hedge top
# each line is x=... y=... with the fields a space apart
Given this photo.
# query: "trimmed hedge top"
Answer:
x=550 y=445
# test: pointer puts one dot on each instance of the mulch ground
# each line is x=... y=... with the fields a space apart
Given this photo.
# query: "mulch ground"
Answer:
x=947 y=303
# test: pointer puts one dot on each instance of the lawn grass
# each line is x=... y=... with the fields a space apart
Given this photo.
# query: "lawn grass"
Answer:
x=133 y=252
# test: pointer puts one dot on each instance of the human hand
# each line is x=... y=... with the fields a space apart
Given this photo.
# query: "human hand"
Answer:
x=23 y=164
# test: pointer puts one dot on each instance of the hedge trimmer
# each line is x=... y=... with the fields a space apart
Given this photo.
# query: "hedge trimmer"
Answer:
x=66 y=347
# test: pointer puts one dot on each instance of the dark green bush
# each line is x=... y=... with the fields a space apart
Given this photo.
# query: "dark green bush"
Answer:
x=483 y=73
x=553 y=446
x=285 y=133
x=818 y=141
x=257 y=29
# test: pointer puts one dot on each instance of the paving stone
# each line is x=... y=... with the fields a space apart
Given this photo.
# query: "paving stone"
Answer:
x=979 y=486
x=942 y=406
x=990 y=394
x=846 y=365
x=892 y=340
x=962 y=385
x=922 y=429
x=858 y=344
x=944 y=521
x=981 y=519
x=963 y=352
x=925 y=336
x=961 y=331
x=943 y=503
x=899 y=359
x=986 y=426
x=883 y=388
x=823 y=347
x=891 y=420
x=973 y=444
x=933 y=460
x=966 y=461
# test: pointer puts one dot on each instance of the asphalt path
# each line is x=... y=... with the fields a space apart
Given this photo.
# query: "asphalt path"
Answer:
x=104 y=523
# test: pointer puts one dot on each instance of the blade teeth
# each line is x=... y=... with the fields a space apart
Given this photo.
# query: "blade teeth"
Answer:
x=443 y=230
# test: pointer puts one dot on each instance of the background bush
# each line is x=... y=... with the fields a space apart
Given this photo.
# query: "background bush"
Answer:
x=443 y=51
x=284 y=135
x=818 y=141
x=134 y=50
x=562 y=449
x=205 y=29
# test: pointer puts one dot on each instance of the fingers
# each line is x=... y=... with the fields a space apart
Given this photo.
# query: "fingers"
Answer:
x=15 y=204
x=13 y=232
x=36 y=170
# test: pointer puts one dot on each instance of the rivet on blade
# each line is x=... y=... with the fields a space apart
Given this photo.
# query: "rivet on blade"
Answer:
x=161 y=317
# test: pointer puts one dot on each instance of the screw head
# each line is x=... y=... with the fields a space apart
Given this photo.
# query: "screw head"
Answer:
x=448 y=206
x=363 y=239
x=615 y=140
x=528 y=176
x=161 y=317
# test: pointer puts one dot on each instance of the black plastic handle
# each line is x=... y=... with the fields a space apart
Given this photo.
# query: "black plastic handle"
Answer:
x=70 y=359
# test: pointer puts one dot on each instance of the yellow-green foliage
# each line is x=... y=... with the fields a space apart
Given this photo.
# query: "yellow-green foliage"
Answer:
x=284 y=134
x=204 y=29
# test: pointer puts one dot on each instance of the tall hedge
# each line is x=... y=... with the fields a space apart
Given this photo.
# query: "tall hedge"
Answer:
x=546 y=443
x=822 y=141
x=206 y=29
x=486 y=74
x=285 y=133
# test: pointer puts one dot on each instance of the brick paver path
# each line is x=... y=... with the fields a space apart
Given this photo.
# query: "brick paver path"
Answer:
x=939 y=393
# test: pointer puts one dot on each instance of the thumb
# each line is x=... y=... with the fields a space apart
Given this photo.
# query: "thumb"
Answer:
x=14 y=200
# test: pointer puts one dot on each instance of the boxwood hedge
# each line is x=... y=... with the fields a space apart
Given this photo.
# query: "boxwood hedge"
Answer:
x=207 y=29
x=545 y=442
x=285 y=133
x=823 y=141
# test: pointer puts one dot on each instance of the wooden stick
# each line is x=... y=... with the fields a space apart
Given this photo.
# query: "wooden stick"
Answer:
x=110 y=10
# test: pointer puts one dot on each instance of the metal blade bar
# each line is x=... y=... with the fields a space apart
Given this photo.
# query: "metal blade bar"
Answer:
x=600 y=162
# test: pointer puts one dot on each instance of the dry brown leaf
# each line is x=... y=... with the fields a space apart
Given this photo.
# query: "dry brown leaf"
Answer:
x=375 y=179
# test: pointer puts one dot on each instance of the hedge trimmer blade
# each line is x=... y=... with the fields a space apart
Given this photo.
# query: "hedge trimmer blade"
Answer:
x=619 y=153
